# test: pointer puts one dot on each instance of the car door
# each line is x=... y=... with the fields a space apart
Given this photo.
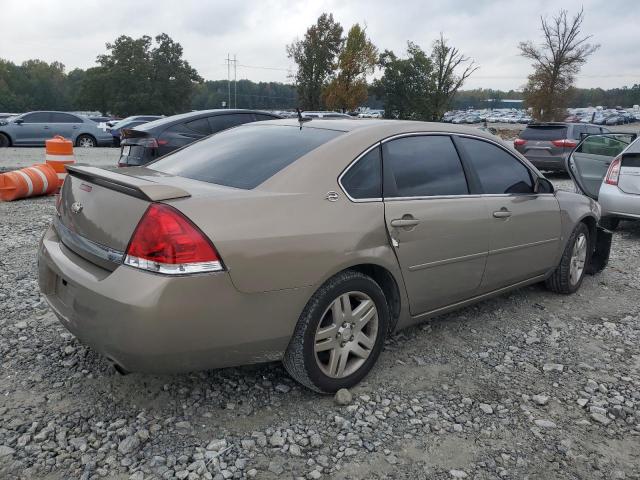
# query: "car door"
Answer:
x=64 y=124
x=589 y=162
x=33 y=130
x=437 y=225
x=525 y=226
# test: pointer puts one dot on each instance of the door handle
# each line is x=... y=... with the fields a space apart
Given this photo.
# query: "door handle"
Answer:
x=503 y=213
x=404 y=222
x=46 y=128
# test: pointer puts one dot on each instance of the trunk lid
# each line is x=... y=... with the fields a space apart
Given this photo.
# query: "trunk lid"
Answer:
x=100 y=208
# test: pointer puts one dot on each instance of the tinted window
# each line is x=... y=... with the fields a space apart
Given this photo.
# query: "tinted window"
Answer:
x=364 y=178
x=38 y=117
x=498 y=171
x=578 y=130
x=607 y=145
x=423 y=166
x=243 y=157
x=262 y=116
x=64 y=118
x=222 y=122
x=544 y=132
x=200 y=125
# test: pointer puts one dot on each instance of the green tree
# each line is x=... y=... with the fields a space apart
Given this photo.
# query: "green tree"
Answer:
x=357 y=59
x=315 y=56
x=555 y=64
x=406 y=84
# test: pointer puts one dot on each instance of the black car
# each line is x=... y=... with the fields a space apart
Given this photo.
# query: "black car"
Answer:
x=147 y=142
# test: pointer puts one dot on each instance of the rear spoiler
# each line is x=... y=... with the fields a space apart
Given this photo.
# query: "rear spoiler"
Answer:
x=127 y=184
x=132 y=133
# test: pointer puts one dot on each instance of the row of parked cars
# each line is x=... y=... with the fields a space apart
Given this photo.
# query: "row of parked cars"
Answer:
x=490 y=116
x=599 y=116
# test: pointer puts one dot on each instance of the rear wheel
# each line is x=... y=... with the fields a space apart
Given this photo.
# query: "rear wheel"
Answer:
x=568 y=276
x=340 y=333
x=86 y=141
x=4 y=141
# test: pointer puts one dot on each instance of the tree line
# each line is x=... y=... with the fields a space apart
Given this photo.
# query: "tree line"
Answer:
x=150 y=76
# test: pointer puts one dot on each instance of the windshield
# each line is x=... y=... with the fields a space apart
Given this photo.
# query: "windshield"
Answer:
x=244 y=157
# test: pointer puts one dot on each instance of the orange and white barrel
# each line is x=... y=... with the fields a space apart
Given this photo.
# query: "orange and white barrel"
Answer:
x=32 y=181
x=59 y=155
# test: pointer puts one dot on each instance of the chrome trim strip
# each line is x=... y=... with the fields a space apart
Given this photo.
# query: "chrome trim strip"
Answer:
x=76 y=242
x=344 y=172
x=437 y=263
x=524 y=245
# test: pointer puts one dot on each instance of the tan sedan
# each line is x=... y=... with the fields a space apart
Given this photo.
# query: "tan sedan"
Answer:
x=304 y=242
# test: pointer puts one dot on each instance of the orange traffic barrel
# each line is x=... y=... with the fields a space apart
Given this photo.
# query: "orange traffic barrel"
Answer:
x=59 y=155
x=29 y=182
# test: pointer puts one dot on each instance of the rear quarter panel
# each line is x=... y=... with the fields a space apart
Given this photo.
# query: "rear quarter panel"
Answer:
x=574 y=208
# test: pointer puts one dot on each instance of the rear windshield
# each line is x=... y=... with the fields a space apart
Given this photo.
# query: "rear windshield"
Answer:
x=245 y=156
x=544 y=132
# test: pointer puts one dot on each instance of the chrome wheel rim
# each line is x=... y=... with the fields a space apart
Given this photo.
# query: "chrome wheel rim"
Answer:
x=86 y=142
x=578 y=259
x=346 y=334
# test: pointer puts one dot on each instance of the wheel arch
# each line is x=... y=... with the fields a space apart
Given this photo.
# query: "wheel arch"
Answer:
x=95 y=140
x=2 y=132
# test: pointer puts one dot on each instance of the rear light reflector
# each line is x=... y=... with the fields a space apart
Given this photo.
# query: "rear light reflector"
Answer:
x=518 y=142
x=565 y=142
x=167 y=242
x=613 y=173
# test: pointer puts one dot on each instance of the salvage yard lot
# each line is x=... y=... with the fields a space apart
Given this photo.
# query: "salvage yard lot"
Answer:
x=528 y=384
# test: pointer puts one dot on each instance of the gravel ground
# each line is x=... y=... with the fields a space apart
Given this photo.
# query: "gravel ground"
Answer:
x=12 y=158
x=527 y=385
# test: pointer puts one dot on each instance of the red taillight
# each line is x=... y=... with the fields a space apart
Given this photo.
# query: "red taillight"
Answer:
x=518 y=142
x=613 y=173
x=565 y=142
x=165 y=241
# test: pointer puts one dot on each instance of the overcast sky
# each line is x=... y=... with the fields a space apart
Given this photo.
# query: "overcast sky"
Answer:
x=75 y=31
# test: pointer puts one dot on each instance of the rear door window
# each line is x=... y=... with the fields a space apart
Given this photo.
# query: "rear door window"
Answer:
x=544 y=132
x=244 y=157
x=422 y=166
x=201 y=125
x=64 y=118
x=224 y=121
x=364 y=179
x=499 y=172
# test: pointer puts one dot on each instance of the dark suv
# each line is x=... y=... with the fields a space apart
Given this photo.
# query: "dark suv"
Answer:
x=145 y=143
x=547 y=145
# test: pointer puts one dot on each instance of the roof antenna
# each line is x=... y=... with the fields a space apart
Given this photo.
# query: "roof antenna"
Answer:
x=301 y=119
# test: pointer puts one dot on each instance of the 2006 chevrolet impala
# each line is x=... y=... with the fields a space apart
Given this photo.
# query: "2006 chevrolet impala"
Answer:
x=304 y=242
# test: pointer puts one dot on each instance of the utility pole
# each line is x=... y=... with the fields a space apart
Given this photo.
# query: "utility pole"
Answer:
x=228 y=81
x=235 y=82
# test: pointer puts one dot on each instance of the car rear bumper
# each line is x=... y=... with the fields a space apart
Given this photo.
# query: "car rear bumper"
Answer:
x=556 y=163
x=153 y=323
x=616 y=203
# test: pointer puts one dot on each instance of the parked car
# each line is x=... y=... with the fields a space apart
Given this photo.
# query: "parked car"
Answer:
x=147 y=142
x=607 y=169
x=5 y=115
x=129 y=122
x=288 y=240
x=34 y=128
x=547 y=145
x=326 y=115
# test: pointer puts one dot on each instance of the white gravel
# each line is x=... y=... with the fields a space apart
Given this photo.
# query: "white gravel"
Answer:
x=527 y=385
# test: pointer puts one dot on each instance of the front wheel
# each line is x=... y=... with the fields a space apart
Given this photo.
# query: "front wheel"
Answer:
x=568 y=276
x=340 y=333
x=86 y=141
x=4 y=141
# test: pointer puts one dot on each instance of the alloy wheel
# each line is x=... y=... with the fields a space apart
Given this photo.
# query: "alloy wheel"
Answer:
x=86 y=142
x=346 y=334
x=578 y=259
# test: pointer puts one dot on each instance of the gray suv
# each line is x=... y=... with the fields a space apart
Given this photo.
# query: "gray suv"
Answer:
x=34 y=128
x=547 y=145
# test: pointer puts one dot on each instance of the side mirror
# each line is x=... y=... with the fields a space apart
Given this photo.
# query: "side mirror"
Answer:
x=19 y=121
x=542 y=185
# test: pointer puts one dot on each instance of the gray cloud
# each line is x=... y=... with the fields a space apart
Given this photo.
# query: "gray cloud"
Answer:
x=74 y=32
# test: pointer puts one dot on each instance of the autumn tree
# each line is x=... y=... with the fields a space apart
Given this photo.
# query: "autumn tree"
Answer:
x=358 y=58
x=315 y=56
x=450 y=70
x=556 y=62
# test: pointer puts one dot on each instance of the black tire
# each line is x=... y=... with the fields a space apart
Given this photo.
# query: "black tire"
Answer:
x=4 y=141
x=300 y=357
x=560 y=280
x=610 y=223
x=87 y=141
